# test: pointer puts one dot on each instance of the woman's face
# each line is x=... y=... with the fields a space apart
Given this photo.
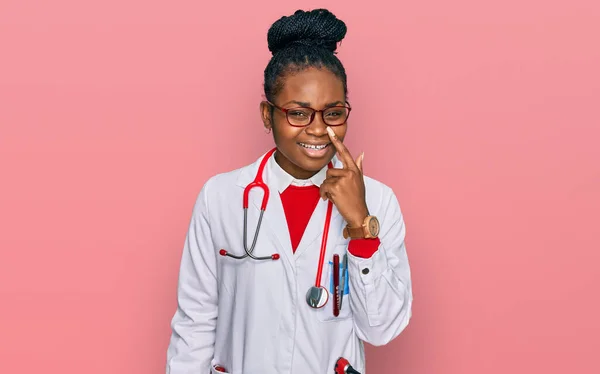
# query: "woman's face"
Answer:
x=314 y=88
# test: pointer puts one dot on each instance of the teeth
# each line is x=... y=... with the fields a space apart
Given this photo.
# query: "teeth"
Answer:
x=317 y=147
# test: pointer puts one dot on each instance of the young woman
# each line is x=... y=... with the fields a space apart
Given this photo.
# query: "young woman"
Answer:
x=327 y=269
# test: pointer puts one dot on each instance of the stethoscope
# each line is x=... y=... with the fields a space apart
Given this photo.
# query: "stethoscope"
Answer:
x=317 y=295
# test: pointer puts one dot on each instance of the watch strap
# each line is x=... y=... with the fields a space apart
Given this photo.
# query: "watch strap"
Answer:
x=354 y=232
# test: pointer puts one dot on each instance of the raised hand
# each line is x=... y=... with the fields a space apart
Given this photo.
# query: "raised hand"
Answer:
x=346 y=187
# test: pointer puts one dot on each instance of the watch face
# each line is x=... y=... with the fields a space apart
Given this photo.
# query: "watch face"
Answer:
x=374 y=226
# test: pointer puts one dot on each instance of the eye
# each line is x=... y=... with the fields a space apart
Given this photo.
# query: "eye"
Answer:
x=297 y=113
x=335 y=113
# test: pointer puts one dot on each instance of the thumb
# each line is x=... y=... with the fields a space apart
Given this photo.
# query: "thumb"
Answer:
x=359 y=161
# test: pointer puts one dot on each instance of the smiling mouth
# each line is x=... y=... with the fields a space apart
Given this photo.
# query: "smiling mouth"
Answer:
x=313 y=146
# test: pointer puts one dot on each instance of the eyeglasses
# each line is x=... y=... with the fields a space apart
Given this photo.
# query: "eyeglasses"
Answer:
x=303 y=116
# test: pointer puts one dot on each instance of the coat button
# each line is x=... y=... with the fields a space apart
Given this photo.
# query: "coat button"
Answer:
x=365 y=271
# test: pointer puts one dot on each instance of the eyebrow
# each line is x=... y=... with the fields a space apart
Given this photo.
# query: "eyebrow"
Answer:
x=335 y=103
x=307 y=105
x=300 y=103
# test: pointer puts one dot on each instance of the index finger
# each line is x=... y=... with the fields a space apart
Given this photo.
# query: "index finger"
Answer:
x=344 y=153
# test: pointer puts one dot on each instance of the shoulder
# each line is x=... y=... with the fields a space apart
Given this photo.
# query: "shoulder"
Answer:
x=219 y=186
x=374 y=186
x=224 y=179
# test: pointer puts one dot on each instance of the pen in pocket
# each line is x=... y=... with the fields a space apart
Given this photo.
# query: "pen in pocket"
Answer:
x=343 y=285
x=336 y=285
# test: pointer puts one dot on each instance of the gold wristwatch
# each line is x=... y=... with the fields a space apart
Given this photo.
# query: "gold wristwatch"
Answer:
x=368 y=230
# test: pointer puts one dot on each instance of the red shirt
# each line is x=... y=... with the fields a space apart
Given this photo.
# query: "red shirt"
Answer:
x=299 y=204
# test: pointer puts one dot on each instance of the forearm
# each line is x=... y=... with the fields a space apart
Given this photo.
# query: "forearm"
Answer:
x=380 y=280
x=192 y=344
x=191 y=347
x=380 y=298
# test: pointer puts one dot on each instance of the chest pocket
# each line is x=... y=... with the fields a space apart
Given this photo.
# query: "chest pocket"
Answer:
x=325 y=314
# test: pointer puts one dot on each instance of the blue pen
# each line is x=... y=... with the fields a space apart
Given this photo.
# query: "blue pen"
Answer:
x=343 y=282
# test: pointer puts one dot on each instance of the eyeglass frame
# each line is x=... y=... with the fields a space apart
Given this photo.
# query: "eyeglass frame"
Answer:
x=314 y=112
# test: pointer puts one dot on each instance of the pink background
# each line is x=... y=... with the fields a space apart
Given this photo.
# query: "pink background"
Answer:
x=483 y=117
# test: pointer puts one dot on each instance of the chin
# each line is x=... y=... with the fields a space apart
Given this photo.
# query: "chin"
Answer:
x=312 y=164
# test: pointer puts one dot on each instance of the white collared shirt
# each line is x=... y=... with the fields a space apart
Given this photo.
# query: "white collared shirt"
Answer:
x=283 y=180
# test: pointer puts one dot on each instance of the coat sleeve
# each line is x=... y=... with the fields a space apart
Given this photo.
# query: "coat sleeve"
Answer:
x=193 y=326
x=380 y=286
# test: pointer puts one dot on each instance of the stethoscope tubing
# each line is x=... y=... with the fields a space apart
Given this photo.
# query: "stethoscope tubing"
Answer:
x=258 y=182
x=249 y=252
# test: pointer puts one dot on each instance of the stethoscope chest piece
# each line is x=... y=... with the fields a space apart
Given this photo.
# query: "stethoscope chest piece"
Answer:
x=317 y=297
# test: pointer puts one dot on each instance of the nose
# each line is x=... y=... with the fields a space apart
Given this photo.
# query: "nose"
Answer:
x=317 y=127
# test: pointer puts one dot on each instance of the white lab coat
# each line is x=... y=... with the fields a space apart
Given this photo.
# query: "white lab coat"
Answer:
x=251 y=316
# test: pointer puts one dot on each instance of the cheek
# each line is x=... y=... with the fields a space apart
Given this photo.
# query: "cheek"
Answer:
x=340 y=131
x=285 y=132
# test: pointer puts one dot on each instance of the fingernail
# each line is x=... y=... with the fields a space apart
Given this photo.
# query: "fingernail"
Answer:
x=362 y=157
x=330 y=131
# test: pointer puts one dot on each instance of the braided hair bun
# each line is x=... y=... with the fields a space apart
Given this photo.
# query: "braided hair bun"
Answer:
x=300 y=41
x=315 y=28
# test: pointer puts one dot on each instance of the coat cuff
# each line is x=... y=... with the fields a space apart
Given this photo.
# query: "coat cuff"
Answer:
x=363 y=248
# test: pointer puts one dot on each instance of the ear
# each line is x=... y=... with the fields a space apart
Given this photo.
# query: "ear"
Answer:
x=265 y=114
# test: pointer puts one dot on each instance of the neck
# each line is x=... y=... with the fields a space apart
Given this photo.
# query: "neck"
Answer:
x=291 y=168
